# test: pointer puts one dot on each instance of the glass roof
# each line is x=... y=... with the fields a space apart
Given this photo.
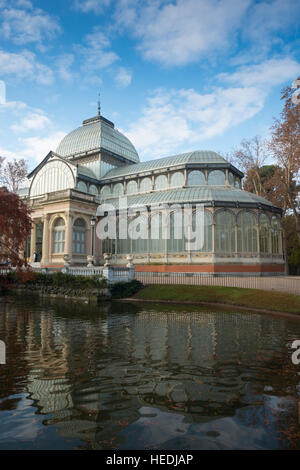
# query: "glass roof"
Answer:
x=198 y=156
x=96 y=133
x=199 y=194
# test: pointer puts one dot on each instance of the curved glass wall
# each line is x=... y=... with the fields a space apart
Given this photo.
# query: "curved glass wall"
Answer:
x=216 y=178
x=146 y=185
x=59 y=235
x=246 y=233
x=224 y=232
x=264 y=234
x=79 y=236
x=276 y=236
x=196 y=178
x=177 y=179
x=131 y=187
x=161 y=182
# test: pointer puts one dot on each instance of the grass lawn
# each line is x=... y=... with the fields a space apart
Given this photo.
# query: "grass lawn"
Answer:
x=269 y=300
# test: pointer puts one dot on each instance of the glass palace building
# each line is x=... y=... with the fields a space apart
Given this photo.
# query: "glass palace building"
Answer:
x=95 y=164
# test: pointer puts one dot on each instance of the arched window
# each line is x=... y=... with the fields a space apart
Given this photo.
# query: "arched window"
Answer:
x=59 y=236
x=276 y=236
x=224 y=232
x=247 y=234
x=264 y=234
x=177 y=179
x=79 y=236
x=131 y=187
x=123 y=240
x=157 y=242
x=231 y=179
x=138 y=233
x=216 y=178
x=81 y=186
x=161 y=182
x=146 y=185
x=196 y=178
x=118 y=189
x=93 y=190
x=105 y=191
x=176 y=240
x=206 y=235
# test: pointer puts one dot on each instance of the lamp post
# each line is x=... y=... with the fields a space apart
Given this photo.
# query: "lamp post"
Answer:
x=93 y=223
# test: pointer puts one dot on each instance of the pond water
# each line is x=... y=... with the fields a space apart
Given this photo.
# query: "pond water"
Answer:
x=134 y=376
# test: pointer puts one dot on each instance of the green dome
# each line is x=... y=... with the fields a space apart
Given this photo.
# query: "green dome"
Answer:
x=95 y=134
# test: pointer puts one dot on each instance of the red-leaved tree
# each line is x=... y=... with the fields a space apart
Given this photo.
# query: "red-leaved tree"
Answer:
x=15 y=226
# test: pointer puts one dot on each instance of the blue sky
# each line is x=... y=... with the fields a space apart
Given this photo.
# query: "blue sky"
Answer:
x=174 y=75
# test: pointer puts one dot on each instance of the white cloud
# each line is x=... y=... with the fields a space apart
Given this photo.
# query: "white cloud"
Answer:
x=181 y=32
x=25 y=65
x=36 y=148
x=96 y=55
x=269 y=73
x=33 y=121
x=123 y=77
x=64 y=63
x=172 y=118
x=94 y=6
x=22 y=26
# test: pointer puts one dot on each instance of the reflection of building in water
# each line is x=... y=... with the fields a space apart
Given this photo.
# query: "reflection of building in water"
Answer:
x=92 y=373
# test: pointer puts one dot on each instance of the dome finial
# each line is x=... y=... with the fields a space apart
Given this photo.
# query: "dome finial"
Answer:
x=99 y=107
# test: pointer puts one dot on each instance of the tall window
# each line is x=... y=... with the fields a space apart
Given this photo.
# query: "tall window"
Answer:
x=176 y=241
x=59 y=236
x=177 y=179
x=247 y=235
x=276 y=236
x=224 y=232
x=216 y=178
x=196 y=178
x=79 y=236
x=157 y=242
x=230 y=178
x=264 y=234
x=207 y=232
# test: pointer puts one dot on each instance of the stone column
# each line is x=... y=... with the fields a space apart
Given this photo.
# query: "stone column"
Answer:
x=45 y=247
x=32 y=241
x=69 y=235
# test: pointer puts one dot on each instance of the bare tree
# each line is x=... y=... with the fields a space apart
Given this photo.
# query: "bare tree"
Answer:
x=250 y=157
x=13 y=174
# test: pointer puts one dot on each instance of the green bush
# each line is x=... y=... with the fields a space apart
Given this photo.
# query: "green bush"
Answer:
x=120 y=290
x=57 y=279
